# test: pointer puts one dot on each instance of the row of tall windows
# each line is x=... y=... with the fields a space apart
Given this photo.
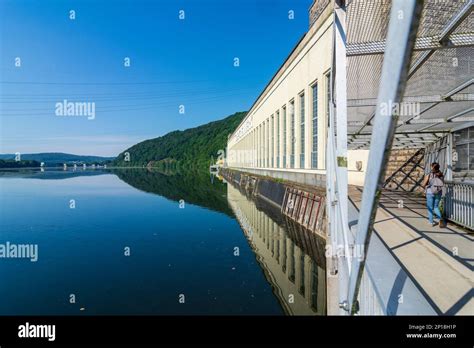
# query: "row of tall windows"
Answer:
x=272 y=137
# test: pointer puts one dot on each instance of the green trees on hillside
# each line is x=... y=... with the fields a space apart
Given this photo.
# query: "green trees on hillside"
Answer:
x=191 y=148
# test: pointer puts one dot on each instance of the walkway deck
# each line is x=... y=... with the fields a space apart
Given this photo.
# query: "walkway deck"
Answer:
x=438 y=261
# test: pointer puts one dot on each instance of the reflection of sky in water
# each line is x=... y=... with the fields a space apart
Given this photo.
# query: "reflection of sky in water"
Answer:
x=81 y=252
x=106 y=184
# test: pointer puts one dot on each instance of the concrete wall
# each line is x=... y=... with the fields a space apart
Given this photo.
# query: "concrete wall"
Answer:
x=356 y=166
x=259 y=140
x=299 y=176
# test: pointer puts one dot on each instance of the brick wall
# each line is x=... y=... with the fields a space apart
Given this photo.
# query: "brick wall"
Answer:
x=398 y=165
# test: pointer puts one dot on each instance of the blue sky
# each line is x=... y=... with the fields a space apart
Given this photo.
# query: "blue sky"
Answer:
x=174 y=62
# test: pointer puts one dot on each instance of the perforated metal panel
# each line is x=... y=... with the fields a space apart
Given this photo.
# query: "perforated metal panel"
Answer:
x=440 y=83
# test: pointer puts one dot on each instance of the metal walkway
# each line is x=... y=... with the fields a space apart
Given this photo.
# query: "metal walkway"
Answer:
x=380 y=67
x=438 y=261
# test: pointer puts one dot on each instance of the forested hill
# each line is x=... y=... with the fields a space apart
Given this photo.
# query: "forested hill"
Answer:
x=192 y=147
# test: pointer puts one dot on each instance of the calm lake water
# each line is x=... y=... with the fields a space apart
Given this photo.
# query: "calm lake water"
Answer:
x=222 y=253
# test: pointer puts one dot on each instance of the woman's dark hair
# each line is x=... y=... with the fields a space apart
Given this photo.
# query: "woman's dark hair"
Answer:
x=435 y=170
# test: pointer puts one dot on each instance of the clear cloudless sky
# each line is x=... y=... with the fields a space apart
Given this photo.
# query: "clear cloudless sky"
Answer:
x=174 y=62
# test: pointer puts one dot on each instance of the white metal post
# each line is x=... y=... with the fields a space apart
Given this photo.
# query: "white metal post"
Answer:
x=341 y=102
x=449 y=157
x=336 y=156
x=331 y=199
x=404 y=20
x=340 y=67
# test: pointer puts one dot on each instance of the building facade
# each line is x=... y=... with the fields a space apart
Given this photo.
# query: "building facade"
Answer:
x=285 y=130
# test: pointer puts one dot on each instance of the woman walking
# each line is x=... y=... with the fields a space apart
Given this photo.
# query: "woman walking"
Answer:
x=434 y=183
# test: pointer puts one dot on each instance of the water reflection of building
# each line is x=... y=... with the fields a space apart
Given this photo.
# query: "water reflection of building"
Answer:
x=293 y=269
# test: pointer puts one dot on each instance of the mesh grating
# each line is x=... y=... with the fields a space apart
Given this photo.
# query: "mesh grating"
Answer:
x=444 y=71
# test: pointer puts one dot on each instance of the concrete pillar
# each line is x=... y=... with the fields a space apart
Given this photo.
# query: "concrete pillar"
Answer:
x=292 y=140
x=278 y=139
x=254 y=148
x=272 y=141
x=298 y=104
x=260 y=145
x=267 y=138
x=284 y=140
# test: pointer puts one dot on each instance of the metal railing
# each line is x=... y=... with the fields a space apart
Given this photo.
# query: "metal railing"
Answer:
x=340 y=238
x=459 y=203
x=369 y=301
x=356 y=290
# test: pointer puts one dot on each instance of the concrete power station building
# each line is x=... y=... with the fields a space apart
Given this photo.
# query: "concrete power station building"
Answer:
x=342 y=137
x=284 y=133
